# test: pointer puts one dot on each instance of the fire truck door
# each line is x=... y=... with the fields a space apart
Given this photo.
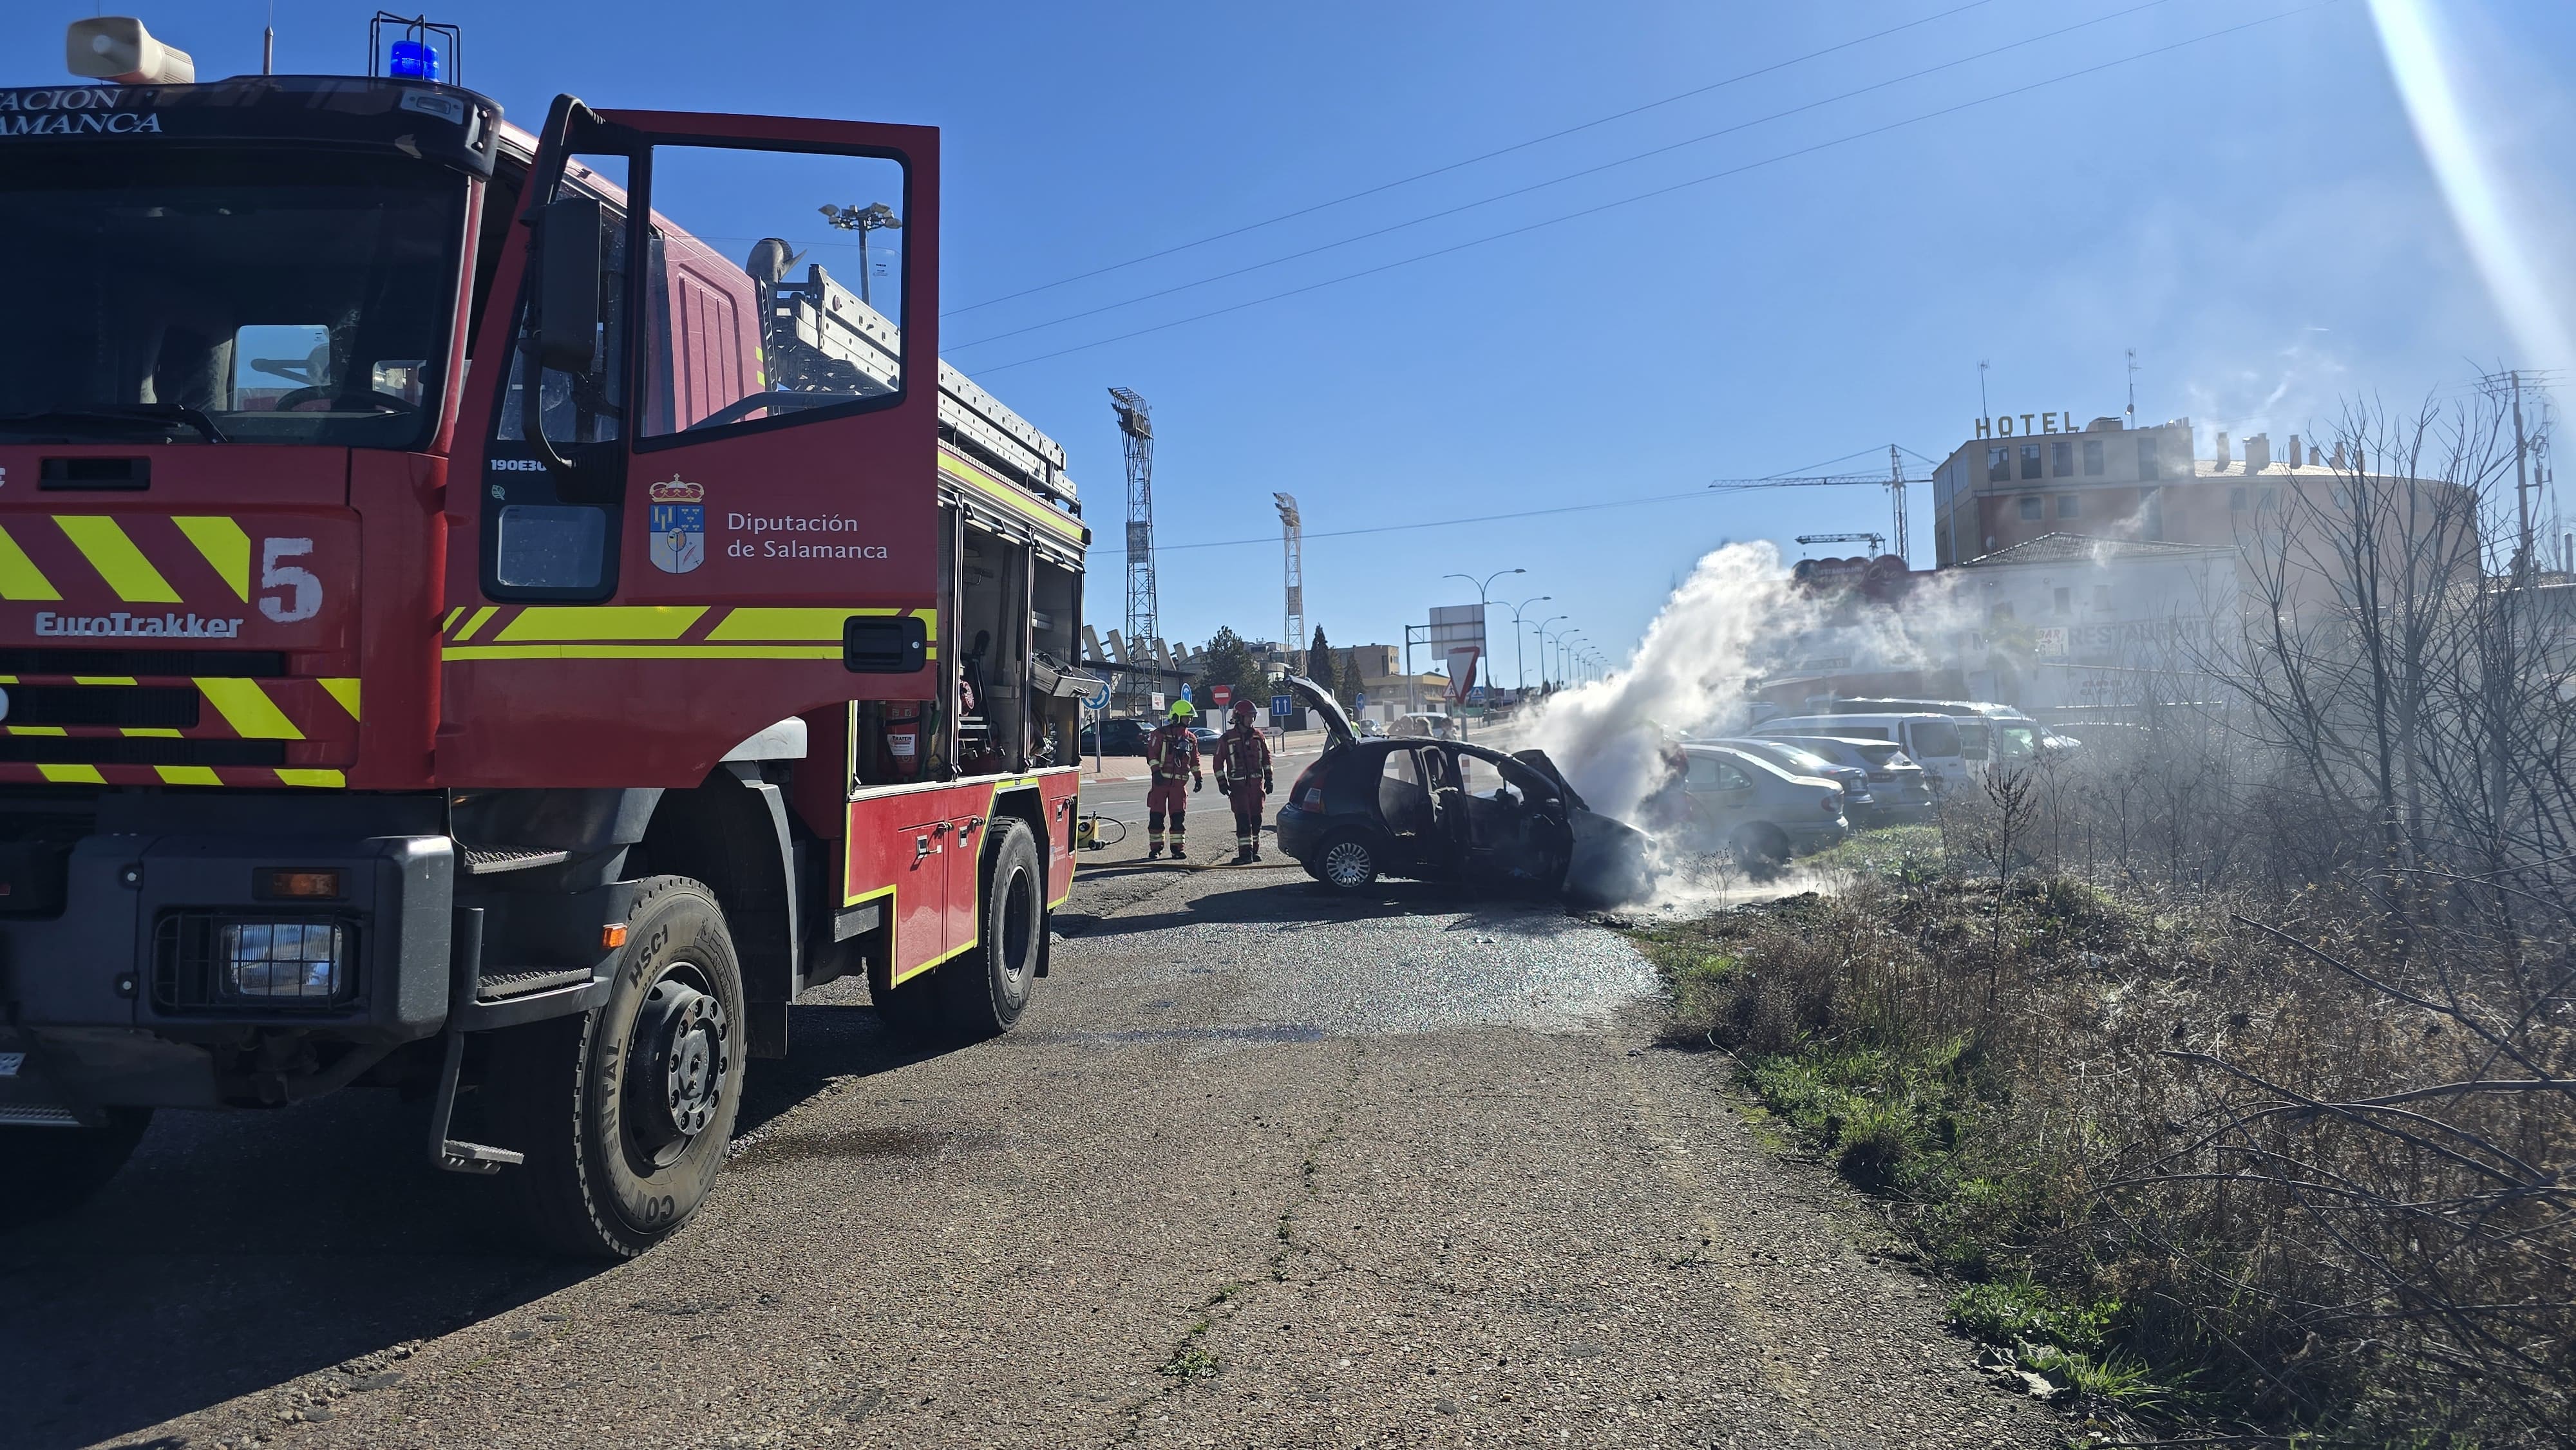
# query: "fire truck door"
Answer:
x=754 y=534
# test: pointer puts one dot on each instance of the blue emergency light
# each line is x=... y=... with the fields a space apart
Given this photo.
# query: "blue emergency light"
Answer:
x=413 y=60
x=421 y=49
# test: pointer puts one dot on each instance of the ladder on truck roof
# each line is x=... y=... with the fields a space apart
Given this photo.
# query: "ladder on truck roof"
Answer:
x=822 y=338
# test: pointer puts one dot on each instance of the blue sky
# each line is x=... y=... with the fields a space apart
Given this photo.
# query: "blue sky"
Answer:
x=2252 y=213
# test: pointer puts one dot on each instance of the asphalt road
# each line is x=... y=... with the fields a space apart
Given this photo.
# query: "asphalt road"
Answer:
x=1260 y=1167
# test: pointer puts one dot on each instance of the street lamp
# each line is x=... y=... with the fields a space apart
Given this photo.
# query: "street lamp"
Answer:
x=1565 y=639
x=1520 y=670
x=1540 y=629
x=1488 y=583
x=876 y=216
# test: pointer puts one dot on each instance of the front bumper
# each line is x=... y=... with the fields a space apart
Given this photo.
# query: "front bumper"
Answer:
x=111 y=999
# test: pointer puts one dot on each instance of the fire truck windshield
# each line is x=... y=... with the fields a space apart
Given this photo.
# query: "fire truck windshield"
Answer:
x=266 y=295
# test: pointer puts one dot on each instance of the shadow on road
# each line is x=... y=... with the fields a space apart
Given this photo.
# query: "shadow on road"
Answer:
x=1289 y=898
x=240 y=1251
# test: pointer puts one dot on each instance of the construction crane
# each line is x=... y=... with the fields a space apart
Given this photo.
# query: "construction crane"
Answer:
x=1292 y=540
x=1894 y=482
x=1877 y=542
x=1136 y=425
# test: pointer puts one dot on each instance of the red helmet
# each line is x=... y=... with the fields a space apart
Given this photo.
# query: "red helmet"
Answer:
x=1246 y=708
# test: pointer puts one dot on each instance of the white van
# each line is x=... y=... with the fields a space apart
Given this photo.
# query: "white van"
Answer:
x=1935 y=741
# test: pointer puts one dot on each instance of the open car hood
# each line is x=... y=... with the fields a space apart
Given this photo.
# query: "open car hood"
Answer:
x=1316 y=698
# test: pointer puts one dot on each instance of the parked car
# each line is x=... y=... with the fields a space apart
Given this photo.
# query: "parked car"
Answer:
x=1443 y=810
x=1371 y=730
x=1900 y=791
x=1425 y=725
x=1206 y=736
x=1934 y=741
x=1743 y=803
x=1119 y=736
x=2014 y=739
x=1858 y=803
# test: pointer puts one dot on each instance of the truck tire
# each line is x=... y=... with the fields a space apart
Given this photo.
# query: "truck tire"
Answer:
x=625 y=1112
x=983 y=991
x=55 y=1170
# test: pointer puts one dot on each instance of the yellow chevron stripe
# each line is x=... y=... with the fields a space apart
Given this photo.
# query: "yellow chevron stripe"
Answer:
x=605 y=621
x=765 y=623
x=248 y=709
x=73 y=774
x=320 y=779
x=449 y=622
x=102 y=679
x=187 y=775
x=154 y=732
x=19 y=576
x=224 y=545
x=346 y=692
x=645 y=652
x=102 y=541
x=35 y=730
x=481 y=617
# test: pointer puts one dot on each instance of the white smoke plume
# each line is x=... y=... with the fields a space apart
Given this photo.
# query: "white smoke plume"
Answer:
x=1737 y=616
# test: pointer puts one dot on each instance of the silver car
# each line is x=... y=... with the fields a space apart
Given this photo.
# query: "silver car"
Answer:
x=1742 y=803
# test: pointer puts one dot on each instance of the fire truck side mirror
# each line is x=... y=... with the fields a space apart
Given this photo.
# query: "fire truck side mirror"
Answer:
x=568 y=284
x=880 y=644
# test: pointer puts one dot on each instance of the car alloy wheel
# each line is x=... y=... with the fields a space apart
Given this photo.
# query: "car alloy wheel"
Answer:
x=1348 y=865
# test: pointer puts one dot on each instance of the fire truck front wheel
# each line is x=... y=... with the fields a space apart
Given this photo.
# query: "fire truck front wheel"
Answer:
x=627 y=1110
x=985 y=990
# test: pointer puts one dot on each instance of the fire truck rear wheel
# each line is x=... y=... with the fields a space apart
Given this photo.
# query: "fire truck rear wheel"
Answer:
x=54 y=1170
x=983 y=991
x=625 y=1112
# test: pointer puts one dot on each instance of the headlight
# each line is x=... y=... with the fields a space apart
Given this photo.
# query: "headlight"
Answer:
x=291 y=959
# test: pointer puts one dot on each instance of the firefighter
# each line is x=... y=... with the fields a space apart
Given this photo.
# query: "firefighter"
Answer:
x=1243 y=777
x=1173 y=753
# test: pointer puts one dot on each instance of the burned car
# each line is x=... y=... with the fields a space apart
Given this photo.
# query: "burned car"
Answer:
x=1443 y=810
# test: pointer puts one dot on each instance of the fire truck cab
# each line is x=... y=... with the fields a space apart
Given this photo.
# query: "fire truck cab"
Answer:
x=496 y=615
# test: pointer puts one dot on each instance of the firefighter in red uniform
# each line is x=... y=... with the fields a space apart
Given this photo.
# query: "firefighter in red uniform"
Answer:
x=1243 y=777
x=1173 y=753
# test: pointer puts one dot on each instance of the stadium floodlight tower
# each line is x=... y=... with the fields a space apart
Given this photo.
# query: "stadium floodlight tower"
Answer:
x=1292 y=542
x=1136 y=423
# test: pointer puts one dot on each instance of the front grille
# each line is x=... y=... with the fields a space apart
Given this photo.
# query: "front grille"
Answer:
x=158 y=706
x=188 y=961
x=227 y=663
x=136 y=750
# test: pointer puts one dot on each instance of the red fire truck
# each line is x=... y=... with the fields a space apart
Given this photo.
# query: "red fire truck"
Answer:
x=470 y=623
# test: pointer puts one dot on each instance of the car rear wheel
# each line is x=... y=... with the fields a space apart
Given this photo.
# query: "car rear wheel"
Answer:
x=1346 y=862
x=1761 y=849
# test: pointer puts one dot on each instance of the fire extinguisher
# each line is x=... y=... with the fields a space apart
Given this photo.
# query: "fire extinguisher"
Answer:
x=905 y=740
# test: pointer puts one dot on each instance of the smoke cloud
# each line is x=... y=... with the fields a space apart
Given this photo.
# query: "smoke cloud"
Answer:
x=1737 y=617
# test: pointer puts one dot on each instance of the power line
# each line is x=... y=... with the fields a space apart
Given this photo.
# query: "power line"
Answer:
x=1456 y=165
x=1612 y=164
x=1545 y=222
x=1719 y=486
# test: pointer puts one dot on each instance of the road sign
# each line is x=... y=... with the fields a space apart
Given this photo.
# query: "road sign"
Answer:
x=1282 y=706
x=1098 y=699
x=1359 y=699
x=1218 y=695
x=1158 y=703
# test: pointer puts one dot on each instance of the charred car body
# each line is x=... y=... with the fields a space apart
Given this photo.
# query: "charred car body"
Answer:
x=1440 y=810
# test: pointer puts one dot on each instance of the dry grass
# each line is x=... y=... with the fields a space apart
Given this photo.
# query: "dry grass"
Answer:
x=2168 y=1125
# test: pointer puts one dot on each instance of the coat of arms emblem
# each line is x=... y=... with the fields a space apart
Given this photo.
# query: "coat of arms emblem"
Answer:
x=679 y=526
